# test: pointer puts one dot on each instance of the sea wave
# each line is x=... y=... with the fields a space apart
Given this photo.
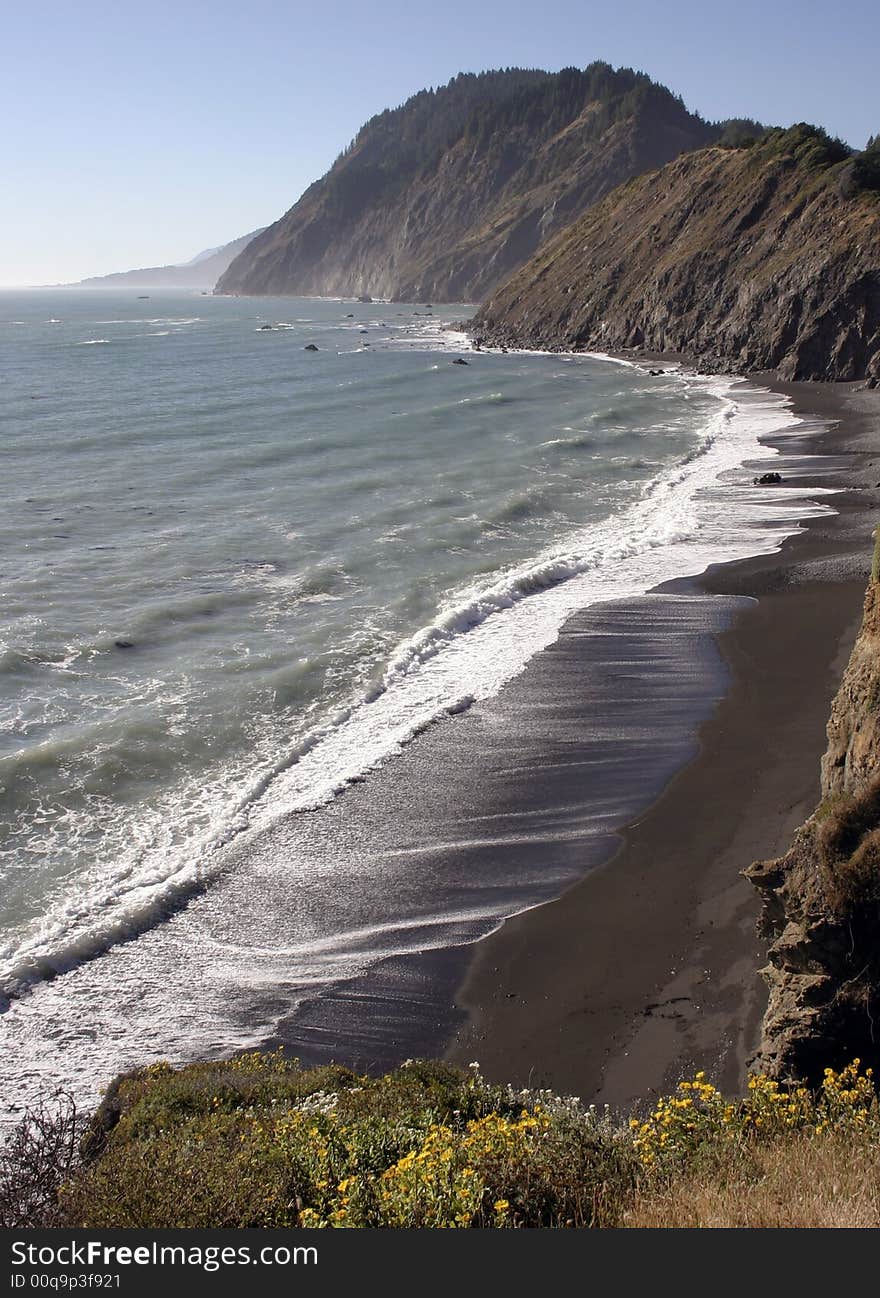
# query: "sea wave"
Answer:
x=480 y=637
x=579 y=442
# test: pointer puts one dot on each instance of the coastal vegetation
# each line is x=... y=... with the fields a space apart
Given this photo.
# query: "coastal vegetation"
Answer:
x=258 y=1141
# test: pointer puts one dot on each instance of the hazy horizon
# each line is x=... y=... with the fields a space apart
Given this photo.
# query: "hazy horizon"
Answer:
x=145 y=140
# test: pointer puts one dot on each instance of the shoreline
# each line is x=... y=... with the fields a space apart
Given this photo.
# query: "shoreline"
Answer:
x=497 y=811
x=554 y=997
x=454 y=999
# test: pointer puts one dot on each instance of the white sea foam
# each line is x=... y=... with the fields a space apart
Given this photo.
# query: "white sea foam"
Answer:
x=218 y=975
x=615 y=360
x=149 y=320
x=701 y=511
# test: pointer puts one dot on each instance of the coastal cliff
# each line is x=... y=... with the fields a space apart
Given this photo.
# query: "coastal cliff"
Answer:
x=742 y=259
x=821 y=901
x=444 y=197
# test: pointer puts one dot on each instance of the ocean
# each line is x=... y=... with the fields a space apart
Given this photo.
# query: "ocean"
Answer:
x=239 y=577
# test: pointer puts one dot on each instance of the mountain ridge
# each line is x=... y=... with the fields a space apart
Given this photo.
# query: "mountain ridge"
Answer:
x=445 y=196
x=201 y=271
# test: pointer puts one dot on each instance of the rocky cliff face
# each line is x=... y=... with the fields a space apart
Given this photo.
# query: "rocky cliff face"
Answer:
x=760 y=258
x=821 y=901
x=444 y=197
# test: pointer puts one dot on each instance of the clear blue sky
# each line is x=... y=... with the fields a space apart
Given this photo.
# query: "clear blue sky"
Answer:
x=140 y=133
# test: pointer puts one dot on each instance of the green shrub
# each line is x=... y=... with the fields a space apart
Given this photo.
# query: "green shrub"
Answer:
x=426 y=1146
x=740 y=133
x=866 y=167
x=809 y=146
x=260 y=1142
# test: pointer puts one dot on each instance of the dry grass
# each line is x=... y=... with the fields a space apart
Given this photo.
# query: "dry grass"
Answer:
x=848 y=838
x=798 y=1182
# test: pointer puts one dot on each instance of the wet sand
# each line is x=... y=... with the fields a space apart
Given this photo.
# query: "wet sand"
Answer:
x=648 y=968
x=487 y=813
x=698 y=721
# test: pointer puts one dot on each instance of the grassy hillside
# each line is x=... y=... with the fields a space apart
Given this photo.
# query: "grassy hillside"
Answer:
x=259 y=1142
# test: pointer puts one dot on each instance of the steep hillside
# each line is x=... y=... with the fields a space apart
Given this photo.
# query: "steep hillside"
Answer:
x=745 y=259
x=442 y=198
x=821 y=901
x=202 y=272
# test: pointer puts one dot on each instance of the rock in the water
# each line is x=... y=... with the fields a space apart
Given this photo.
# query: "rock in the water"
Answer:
x=459 y=361
x=262 y=327
x=767 y=480
x=310 y=347
x=123 y=644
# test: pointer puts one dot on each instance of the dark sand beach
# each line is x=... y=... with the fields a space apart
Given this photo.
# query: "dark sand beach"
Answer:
x=648 y=968
x=693 y=717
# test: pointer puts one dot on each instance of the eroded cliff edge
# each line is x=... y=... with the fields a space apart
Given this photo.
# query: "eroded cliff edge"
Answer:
x=747 y=259
x=821 y=901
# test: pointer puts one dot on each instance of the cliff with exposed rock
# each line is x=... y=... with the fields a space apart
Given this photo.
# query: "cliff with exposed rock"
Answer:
x=821 y=901
x=741 y=259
